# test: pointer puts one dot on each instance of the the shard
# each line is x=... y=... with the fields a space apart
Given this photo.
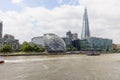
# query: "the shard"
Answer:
x=1 y=26
x=85 y=26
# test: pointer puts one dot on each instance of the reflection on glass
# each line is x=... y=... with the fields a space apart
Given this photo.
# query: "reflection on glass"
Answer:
x=53 y=43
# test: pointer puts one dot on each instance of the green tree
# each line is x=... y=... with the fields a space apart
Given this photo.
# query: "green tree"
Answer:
x=6 y=48
x=71 y=48
x=74 y=49
x=68 y=49
x=26 y=47
x=41 y=49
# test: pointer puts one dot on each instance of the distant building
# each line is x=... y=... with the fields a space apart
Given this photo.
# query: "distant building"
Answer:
x=68 y=41
x=69 y=34
x=54 y=43
x=76 y=44
x=38 y=40
x=9 y=39
x=116 y=46
x=71 y=40
x=1 y=26
x=51 y=42
x=96 y=44
x=73 y=36
x=8 y=36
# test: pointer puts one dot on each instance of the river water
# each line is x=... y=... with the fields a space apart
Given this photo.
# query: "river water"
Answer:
x=61 y=67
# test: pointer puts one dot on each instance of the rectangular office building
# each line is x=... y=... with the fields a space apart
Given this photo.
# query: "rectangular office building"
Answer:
x=96 y=44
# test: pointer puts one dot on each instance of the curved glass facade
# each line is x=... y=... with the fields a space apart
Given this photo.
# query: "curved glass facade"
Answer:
x=53 y=43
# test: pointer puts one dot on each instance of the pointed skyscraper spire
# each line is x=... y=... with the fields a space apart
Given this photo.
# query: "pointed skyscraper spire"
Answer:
x=85 y=26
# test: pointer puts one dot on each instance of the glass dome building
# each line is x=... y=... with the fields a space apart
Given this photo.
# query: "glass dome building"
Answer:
x=54 y=43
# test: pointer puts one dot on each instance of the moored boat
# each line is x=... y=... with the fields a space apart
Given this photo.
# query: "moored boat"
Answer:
x=91 y=53
x=1 y=60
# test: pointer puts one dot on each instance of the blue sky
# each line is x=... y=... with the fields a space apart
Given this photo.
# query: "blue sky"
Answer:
x=8 y=5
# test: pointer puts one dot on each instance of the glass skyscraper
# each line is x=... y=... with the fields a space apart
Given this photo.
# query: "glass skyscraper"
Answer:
x=85 y=26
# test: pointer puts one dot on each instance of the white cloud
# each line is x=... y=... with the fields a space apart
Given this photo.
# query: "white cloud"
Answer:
x=30 y=22
x=17 y=1
x=33 y=22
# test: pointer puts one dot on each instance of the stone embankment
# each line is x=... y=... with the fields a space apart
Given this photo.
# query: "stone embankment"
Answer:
x=45 y=53
x=34 y=54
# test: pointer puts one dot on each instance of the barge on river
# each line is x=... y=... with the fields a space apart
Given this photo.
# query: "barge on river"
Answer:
x=1 y=60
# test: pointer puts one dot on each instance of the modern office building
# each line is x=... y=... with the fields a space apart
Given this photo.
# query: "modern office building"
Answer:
x=85 y=26
x=71 y=35
x=74 y=36
x=96 y=44
x=116 y=47
x=9 y=39
x=68 y=42
x=51 y=42
x=38 y=40
x=8 y=36
x=76 y=44
x=54 y=43
x=71 y=40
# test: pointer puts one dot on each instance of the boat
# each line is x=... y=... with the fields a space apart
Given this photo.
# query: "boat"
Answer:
x=1 y=60
x=91 y=53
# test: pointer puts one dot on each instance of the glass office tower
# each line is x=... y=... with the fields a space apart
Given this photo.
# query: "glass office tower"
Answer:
x=85 y=26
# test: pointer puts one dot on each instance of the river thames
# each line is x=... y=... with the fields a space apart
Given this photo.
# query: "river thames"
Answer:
x=61 y=67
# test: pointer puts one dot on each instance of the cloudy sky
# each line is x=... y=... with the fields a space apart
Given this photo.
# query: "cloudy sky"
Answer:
x=30 y=18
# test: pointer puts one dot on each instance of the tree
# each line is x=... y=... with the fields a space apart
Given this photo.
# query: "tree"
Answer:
x=74 y=49
x=71 y=48
x=41 y=49
x=27 y=47
x=68 y=49
x=6 y=48
x=35 y=48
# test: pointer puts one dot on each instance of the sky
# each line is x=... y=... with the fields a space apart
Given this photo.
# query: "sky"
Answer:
x=26 y=19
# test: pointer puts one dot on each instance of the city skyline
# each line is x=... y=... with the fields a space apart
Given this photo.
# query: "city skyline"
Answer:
x=28 y=18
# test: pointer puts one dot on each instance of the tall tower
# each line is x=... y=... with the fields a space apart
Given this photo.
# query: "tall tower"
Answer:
x=69 y=34
x=1 y=25
x=85 y=26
